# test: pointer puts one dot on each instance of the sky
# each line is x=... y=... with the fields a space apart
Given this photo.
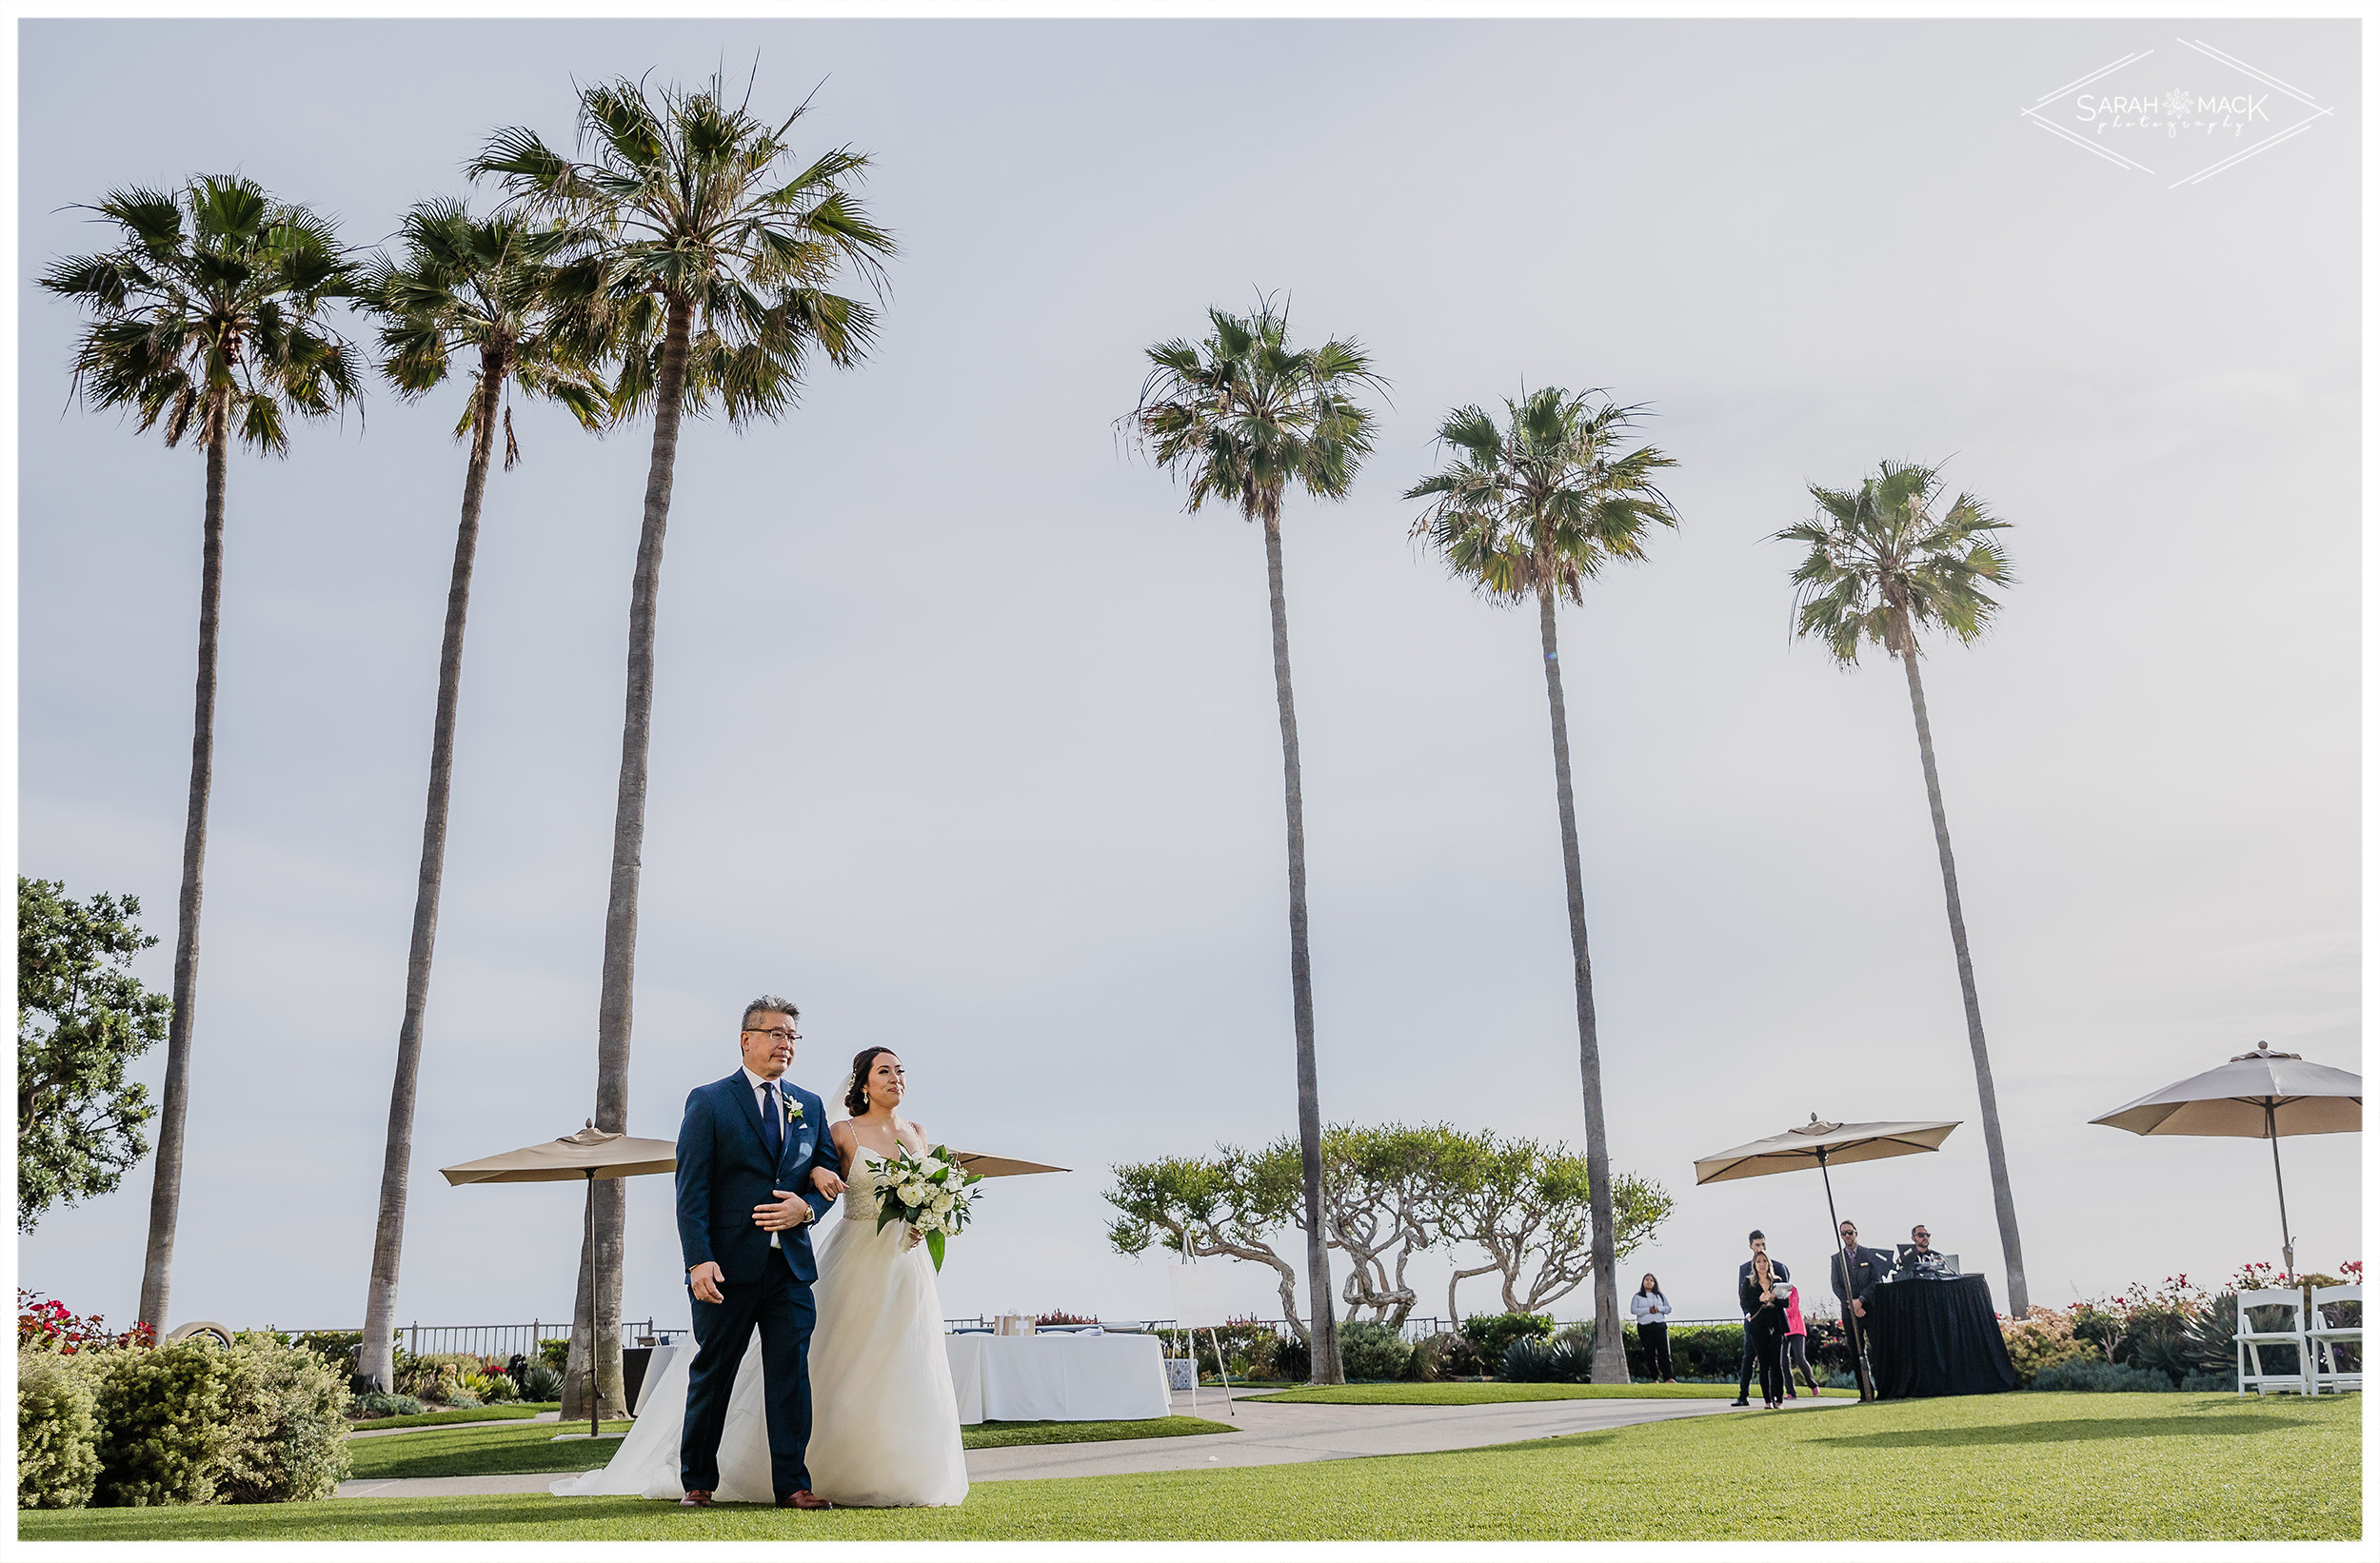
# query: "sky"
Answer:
x=965 y=733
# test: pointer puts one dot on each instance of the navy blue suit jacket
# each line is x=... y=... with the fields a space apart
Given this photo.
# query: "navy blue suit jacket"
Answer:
x=724 y=1168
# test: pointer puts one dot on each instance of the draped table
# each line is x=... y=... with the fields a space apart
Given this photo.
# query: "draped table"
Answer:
x=1929 y=1337
x=1058 y=1377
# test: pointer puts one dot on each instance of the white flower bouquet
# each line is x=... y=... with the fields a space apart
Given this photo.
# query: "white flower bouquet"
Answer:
x=928 y=1192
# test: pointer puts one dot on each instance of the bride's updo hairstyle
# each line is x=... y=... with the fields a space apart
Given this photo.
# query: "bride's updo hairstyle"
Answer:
x=855 y=1100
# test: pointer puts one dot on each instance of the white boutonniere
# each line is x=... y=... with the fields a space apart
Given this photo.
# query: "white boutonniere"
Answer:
x=793 y=1110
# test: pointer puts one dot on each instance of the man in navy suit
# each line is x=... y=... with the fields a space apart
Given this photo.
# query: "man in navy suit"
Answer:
x=755 y=1168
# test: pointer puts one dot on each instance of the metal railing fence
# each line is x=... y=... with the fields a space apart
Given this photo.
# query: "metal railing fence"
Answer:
x=501 y=1341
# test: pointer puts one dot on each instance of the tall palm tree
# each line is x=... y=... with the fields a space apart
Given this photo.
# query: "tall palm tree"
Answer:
x=481 y=290
x=1882 y=564
x=712 y=255
x=1532 y=510
x=207 y=318
x=1241 y=416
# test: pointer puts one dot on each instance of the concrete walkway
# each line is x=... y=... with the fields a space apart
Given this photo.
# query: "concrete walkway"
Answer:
x=1270 y=1434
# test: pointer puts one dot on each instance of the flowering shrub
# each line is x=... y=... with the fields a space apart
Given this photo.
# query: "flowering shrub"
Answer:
x=48 y=1323
x=2042 y=1339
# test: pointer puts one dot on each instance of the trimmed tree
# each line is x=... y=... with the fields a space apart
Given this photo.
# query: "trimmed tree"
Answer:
x=208 y=322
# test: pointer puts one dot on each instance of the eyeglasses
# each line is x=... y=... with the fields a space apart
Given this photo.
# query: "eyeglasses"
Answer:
x=780 y=1033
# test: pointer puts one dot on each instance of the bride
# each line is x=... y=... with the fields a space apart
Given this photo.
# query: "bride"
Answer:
x=884 y=1425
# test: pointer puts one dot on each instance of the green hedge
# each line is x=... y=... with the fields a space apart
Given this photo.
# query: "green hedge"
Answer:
x=260 y=1423
x=57 y=1431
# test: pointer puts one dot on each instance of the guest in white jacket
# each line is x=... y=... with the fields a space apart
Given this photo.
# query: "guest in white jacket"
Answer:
x=1653 y=1310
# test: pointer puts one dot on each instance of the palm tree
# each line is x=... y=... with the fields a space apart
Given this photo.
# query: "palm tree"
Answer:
x=1882 y=564
x=206 y=319
x=479 y=288
x=1535 y=508
x=1241 y=416
x=710 y=264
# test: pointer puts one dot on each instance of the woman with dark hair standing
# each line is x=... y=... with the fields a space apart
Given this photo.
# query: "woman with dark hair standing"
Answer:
x=1764 y=1294
x=1652 y=1311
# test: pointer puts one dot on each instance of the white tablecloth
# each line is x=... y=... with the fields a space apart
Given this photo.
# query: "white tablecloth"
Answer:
x=1058 y=1377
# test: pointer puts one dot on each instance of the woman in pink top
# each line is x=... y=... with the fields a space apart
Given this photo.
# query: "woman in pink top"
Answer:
x=1797 y=1345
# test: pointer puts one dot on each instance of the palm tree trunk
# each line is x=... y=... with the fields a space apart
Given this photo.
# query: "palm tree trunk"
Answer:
x=164 y=1194
x=1611 y=1356
x=2003 y=1202
x=1326 y=1369
x=375 y=1362
x=600 y=1271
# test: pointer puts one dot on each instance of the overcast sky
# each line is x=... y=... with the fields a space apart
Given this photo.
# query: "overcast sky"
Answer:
x=965 y=733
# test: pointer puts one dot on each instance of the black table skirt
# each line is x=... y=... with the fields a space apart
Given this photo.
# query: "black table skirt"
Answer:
x=1929 y=1337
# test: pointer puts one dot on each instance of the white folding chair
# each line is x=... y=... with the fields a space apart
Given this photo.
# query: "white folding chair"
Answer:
x=2327 y=1337
x=2252 y=1342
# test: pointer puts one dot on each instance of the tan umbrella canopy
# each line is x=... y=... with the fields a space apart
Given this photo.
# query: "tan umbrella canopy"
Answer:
x=2262 y=1094
x=590 y=1153
x=1000 y=1166
x=589 y=1156
x=1820 y=1144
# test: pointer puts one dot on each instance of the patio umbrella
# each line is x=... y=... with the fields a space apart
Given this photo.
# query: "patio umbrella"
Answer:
x=1819 y=1144
x=1000 y=1166
x=2262 y=1094
x=590 y=1154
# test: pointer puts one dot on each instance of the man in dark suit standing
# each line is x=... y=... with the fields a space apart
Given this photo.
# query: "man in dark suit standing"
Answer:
x=1856 y=1269
x=1743 y=1279
x=755 y=1168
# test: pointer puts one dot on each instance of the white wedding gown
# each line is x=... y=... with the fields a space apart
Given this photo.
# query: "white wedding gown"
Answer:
x=883 y=1418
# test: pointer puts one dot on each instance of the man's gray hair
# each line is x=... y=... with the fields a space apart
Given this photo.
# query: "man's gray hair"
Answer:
x=768 y=1003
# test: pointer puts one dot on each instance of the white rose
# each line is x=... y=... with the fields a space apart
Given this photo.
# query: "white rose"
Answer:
x=932 y=1165
x=913 y=1194
x=943 y=1202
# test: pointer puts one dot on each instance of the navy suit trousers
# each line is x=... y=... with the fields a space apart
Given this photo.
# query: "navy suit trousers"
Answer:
x=781 y=1307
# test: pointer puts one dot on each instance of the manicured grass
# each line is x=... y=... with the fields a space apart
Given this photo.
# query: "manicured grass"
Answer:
x=514 y=1410
x=509 y=1450
x=2002 y=1467
x=1006 y=1434
x=1492 y=1394
x=482 y=1452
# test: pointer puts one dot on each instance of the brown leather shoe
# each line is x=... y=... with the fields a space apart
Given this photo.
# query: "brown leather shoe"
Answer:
x=696 y=1497
x=803 y=1499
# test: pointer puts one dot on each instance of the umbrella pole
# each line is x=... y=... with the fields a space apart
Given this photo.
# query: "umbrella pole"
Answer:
x=594 y=1315
x=1834 y=1225
x=2289 y=1251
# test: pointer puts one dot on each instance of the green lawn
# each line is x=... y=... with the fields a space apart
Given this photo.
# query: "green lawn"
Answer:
x=508 y=1451
x=2004 y=1467
x=482 y=1452
x=514 y=1410
x=1006 y=1434
x=1491 y=1395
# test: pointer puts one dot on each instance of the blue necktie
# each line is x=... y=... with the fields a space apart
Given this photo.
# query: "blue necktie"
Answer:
x=773 y=1126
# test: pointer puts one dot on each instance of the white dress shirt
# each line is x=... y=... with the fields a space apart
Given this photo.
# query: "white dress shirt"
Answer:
x=760 y=1099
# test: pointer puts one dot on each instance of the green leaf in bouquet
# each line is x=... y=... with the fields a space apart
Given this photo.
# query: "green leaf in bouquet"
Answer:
x=934 y=1246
